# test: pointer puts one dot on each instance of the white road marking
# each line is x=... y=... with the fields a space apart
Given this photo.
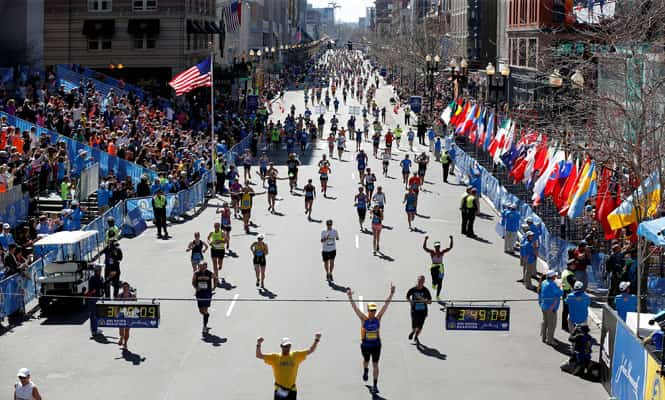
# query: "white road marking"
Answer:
x=233 y=303
x=353 y=176
x=357 y=242
x=360 y=302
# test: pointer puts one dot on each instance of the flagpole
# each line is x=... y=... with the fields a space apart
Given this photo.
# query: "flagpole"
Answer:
x=212 y=120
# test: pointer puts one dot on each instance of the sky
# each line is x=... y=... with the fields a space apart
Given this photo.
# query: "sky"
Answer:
x=350 y=10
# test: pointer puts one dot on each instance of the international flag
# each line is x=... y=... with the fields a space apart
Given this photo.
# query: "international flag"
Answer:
x=647 y=195
x=489 y=135
x=447 y=114
x=550 y=173
x=586 y=189
x=570 y=189
x=298 y=36
x=232 y=14
x=197 y=76
x=609 y=200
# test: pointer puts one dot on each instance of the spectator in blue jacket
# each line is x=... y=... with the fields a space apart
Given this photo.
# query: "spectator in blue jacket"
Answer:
x=549 y=296
x=528 y=258
x=6 y=237
x=578 y=306
x=625 y=302
x=155 y=186
x=510 y=220
x=80 y=163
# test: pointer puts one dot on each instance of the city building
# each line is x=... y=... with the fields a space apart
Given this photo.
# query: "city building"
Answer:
x=370 y=14
x=530 y=23
x=22 y=33
x=383 y=16
x=473 y=30
x=502 y=35
x=140 y=39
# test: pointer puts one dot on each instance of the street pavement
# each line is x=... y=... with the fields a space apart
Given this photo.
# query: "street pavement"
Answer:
x=175 y=362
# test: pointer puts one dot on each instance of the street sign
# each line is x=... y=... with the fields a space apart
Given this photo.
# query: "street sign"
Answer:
x=478 y=318
x=354 y=110
x=127 y=314
x=252 y=102
x=416 y=103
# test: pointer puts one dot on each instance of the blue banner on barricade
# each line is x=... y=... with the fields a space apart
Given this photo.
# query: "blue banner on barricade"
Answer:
x=628 y=365
x=18 y=290
x=135 y=223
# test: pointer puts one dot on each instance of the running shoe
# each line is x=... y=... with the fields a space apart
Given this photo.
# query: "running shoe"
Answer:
x=365 y=375
x=411 y=335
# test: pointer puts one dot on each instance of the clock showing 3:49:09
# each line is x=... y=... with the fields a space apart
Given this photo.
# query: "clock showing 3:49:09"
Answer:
x=478 y=318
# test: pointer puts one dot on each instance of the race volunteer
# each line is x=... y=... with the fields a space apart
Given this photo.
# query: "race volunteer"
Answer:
x=419 y=297
x=202 y=281
x=159 y=210
x=370 y=340
x=437 y=269
x=329 y=236
x=285 y=366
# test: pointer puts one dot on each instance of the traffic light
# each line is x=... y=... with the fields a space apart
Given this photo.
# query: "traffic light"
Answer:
x=349 y=45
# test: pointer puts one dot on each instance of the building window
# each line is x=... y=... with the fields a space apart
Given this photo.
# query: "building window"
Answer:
x=513 y=52
x=522 y=52
x=99 y=43
x=532 y=52
x=99 y=5
x=144 y=5
x=145 y=42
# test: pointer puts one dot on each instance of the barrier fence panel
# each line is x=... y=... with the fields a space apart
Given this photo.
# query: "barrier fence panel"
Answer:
x=89 y=182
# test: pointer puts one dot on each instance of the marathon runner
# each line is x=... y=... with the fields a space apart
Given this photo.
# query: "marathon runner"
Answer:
x=370 y=339
x=410 y=135
x=389 y=141
x=285 y=366
x=226 y=222
x=361 y=160
x=422 y=160
x=324 y=171
x=202 y=281
x=310 y=194
x=398 y=135
x=331 y=144
x=377 y=225
x=369 y=181
x=379 y=198
x=437 y=270
x=376 y=139
x=216 y=240
x=263 y=168
x=197 y=247
x=247 y=165
x=329 y=237
x=259 y=251
x=419 y=297
x=341 y=140
x=411 y=201
x=386 y=161
x=406 y=169
x=246 y=200
x=272 y=189
x=361 y=202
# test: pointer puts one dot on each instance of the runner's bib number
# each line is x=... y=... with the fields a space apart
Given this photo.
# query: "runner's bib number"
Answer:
x=202 y=285
x=420 y=307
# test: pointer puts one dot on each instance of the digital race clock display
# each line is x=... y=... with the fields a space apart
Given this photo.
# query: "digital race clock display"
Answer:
x=478 y=318
x=127 y=314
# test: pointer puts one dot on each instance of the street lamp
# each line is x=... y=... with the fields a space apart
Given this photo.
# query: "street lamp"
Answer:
x=431 y=68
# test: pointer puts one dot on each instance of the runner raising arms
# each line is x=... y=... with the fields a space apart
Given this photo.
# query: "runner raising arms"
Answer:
x=197 y=247
x=361 y=202
x=216 y=240
x=437 y=269
x=259 y=251
x=370 y=339
x=411 y=201
x=246 y=200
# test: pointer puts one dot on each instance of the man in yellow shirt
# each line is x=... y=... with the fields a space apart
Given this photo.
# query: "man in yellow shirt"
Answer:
x=285 y=366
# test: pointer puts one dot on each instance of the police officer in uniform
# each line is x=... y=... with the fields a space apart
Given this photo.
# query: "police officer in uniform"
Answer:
x=159 y=209
x=470 y=208
x=220 y=168
x=202 y=281
x=112 y=233
x=445 y=165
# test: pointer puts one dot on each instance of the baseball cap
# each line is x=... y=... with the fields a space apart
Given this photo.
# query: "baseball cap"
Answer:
x=529 y=219
x=513 y=206
x=437 y=244
x=551 y=273
x=6 y=226
x=23 y=373
x=624 y=285
x=285 y=342
x=578 y=285
x=261 y=236
x=529 y=233
x=371 y=307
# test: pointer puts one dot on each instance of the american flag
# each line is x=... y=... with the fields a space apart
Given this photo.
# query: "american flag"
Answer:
x=192 y=78
x=232 y=13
